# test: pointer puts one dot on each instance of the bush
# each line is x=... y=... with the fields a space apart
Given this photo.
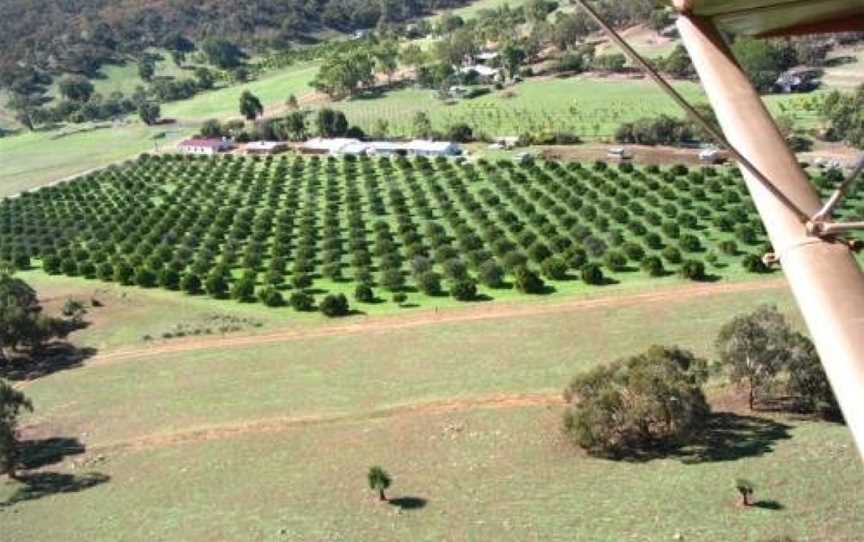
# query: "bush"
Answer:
x=591 y=273
x=429 y=283
x=191 y=284
x=491 y=274
x=752 y=263
x=400 y=298
x=301 y=301
x=615 y=260
x=638 y=403
x=692 y=270
x=554 y=268
x=271 y=297
x=528 y=282
x=364 y=294
x=653 y=266
x=463 y=290
x=334 y=305
x=244 y=290
x=672 y=255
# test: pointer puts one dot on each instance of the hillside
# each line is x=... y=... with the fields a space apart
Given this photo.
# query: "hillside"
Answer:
x=78 y=36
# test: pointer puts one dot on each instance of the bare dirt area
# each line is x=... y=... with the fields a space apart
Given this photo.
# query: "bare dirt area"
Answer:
x=371 y=325
x=642 y=154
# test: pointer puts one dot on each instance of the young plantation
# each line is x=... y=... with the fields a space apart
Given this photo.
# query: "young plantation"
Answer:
x=282 y=230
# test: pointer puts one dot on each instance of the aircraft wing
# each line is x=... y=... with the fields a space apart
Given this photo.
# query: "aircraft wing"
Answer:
x=779 y=17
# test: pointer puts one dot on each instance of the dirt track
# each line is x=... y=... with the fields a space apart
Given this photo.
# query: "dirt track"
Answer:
x=474 y=313
x=279 y=424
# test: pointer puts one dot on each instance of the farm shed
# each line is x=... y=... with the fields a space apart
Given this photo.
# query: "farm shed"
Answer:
x=333 y=146
x=205 y=146
x=266 y=147
x=420 y=147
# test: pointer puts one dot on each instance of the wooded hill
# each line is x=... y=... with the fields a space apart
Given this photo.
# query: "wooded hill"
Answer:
x=77 y=36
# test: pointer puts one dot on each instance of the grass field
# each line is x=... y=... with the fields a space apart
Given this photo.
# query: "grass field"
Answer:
x=587 y=106
x=463 y=413
x=29 y=160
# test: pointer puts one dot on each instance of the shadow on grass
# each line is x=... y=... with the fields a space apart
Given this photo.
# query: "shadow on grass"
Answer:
x=54 y=357
x=44 y=484
x=726 y=437
x=38 y=453
x=768 y=505
x=409 y=503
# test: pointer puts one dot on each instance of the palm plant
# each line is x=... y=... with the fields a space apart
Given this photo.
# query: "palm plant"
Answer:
x=379 y=480
x=745 y=488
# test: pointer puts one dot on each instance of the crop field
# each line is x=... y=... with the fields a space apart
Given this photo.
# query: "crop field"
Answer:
x=589 y=107
x=253 y=227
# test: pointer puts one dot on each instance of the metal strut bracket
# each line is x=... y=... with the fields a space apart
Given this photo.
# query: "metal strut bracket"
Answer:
x=820 y=224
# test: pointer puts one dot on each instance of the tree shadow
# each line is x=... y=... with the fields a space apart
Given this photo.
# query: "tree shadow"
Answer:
x=52 y=358
x=768 y=505
x=409 y=503
x=38 y=453
x=725 y=437
x=729 y=437
x=44 y=484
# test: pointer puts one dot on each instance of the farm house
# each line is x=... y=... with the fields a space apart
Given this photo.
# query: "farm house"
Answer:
x=205 y=146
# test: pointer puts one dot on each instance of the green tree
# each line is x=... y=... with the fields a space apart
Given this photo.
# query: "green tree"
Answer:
x=222 y=53
x=762 y=60
x=146 y=69
x=76 y=88
x=634 y=404
x=513 y=57
x=12 y=404
x=149 y=112
x=250 y=106
x=754 y=347
x=331 y=123
x=386 y=56
x=379 y=480
x=334 y=305
x=422 y=125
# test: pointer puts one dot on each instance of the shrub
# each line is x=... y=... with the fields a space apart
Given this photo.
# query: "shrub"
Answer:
x=463 y=289
x=672 y=255
x=400 y=298
x=653 y=266
x=191 y=284
x=301 y=301
x=244 y=290
x=591 y=273
x=752 y=263
x=554 y=268
x=429 y=283
x=638 y=403
x=615 y=261
x=491 y=274
x=271 y=297
x=528 y=282
x=364 y=294
x=692 y=270
x=334 y=305
x=690 y=243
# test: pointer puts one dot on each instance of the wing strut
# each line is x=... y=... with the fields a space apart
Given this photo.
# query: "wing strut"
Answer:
x=824 y=276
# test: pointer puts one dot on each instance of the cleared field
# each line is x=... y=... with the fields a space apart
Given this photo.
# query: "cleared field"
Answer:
x=273 y=89
x=33 y=159
x=464 y=415
x=29 y=160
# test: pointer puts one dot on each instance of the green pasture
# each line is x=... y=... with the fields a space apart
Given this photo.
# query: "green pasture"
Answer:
x=590 y=107
x=32 y=159
x=283 y=435
x=273 y=89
